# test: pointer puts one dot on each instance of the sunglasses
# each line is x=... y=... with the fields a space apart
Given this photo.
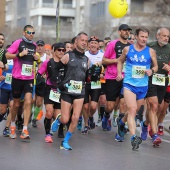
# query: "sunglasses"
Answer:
x=29 y=32
x=61 y=50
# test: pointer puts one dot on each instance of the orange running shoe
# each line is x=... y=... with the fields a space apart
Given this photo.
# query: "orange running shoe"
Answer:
x=12 y=134
x=40 y=114
x=25 y=134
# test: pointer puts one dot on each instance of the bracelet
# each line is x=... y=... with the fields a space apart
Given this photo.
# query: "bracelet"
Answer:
x=38 y=61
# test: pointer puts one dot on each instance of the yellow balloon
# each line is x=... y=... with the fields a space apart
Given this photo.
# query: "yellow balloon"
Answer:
x=118 y=8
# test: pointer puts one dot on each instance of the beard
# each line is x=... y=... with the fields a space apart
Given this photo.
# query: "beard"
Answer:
x=163 y=43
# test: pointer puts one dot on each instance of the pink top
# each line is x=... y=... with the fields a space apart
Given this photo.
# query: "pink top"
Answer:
x=111 y=69
x=23 y=63
x=43 y=69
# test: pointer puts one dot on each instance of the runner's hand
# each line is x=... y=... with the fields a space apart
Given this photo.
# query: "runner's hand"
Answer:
x=148 y=72
x=119 y=77
x=1 y=64
x=2 y=78
x=166 y=67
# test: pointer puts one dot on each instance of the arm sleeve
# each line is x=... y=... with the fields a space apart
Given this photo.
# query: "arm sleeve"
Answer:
x=43 y=67
x=4 y=60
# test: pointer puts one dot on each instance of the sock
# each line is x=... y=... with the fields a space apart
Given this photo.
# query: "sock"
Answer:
x=91 y=119
x=121 y=115
x=68 y=136
x=6 y=128
x=121 y=122
x=107 y=115
x=12 y=123
x=102 y=111
x=24 y=127
x=132 y=137
x=80 y=118
x=160 y=124
x=47 y=125
x=115 y=113
x=36 y=111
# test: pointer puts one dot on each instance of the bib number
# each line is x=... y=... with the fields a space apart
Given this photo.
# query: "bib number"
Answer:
x=26 y=70
x=95 y=85
x=138 y=71
x=54 y=96
x=158 y=79
x=75 y=86
x=8 y=78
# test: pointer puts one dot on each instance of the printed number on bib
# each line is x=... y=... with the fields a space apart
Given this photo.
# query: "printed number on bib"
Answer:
x=95 y=85
x=158 y=79
x=8 y=78
x=138 y=71
x=26 y=70
x=54 y=96
x=75 y=86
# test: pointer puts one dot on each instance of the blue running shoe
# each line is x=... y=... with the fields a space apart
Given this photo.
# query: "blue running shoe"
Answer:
x=79 y=125
x=6 y=132
x=156 y=140
x=121 y=131
x=135 y=142
x=109 y=126
x=104 y=123
x=144 y=133
x=65 y=146
x=56 y=123
x=118 y=138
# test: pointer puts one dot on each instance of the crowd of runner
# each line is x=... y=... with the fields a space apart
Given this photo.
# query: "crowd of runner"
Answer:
x=125 y=81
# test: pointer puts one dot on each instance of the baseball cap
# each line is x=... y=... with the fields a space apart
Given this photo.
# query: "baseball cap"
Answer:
x=124 y=27
x=47 y=46
x=40 y=42
x=59 y=45
x=94 y=38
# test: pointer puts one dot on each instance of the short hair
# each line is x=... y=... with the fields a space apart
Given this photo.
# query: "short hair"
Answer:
x=73 y=40
x=107 y=38
x=27 y=26
x=143 y=29
x=66 y=42
x=2 y=35
x=81 y=33
x=101 y=41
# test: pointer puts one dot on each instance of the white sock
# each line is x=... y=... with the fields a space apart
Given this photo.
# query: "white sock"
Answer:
x=12 y=123
x=160 y=124
x=24 y=127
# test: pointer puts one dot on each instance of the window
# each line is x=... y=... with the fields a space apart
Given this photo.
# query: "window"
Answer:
x=67 y=3
x=48 y=3
x=48 y=20
x=21 y=7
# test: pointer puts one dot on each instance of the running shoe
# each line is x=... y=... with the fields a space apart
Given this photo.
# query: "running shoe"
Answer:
x=48 y=139
x=144 y=133
x=79 y=125
x=104 y=123
x=109 y=126
x=160 y=130
x=56 y=123
x=156 y=140
x=85 y=130
x=118 y=138
x=6 y=132
x=92 y=123
x=40 y=114
x=34 y=123
x=65 y=146
x=120 y=128
x=135 y=142
x=25 y=134
x=12 y=133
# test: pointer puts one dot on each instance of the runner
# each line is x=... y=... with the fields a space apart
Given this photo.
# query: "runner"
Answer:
x=138 y=59
x=157 y=85
x=22 y=51
x=74 y=87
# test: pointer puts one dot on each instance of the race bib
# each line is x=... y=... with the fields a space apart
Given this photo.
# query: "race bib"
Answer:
x=158 y=79
x=95 y=85
x=75 y=86
x=26 y=70
x=138 y=71
x=54 y=96
x=8 y=78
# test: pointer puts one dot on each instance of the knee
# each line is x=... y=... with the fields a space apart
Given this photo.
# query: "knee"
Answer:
x=132 y=111
x=86 y=108
x=93 y=107
x=49 y=114
x=154 y=107
x=64 y=120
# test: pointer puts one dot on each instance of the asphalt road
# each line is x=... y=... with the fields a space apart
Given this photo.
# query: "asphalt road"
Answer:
x=96 y=151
